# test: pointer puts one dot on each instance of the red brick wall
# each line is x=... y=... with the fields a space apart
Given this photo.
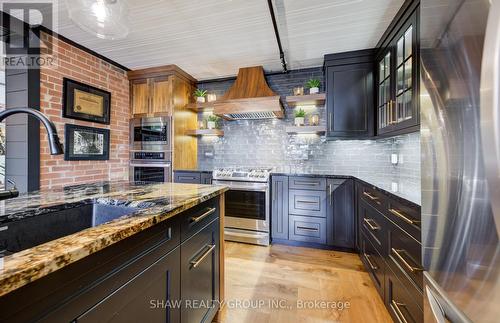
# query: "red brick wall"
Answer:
x=81 y=66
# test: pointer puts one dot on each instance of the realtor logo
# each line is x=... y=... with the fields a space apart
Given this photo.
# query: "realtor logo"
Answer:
x=23 y=44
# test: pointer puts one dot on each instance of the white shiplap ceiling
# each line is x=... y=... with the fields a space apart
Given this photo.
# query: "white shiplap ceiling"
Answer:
x=213 y=38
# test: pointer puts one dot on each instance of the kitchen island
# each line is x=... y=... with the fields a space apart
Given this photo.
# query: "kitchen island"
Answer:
x=124 y=259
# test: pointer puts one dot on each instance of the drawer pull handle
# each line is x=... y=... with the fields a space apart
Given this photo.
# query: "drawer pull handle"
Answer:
x=197 y=262
x=371 y=197
x=372 y=266
x=195 y=219
x=373 y=227
x=399 y=314
x=403 y=260
x=403 y=217
x=308 y=183
x=308 y=229
x=307 y=202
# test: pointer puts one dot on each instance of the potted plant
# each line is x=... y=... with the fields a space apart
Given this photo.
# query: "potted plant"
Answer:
x=299 y=117
x=313 y=86
x=212 y=121
x=200 y=95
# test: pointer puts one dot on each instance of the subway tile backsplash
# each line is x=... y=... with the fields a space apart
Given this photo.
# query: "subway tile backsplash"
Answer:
x=265 y=142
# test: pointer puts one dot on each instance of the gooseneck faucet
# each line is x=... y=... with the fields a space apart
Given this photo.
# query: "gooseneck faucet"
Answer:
x=54 y=143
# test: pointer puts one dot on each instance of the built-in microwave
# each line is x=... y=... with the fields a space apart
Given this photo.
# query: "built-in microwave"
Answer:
x=152 y=133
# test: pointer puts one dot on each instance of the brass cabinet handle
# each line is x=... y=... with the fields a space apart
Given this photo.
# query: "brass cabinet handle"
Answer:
x=398 y=254
x=308 y=229
x=204 y=215
x=403 y=217
x=372 y=266
x=197 y=262
x=371 y=197
x=370 y=224
x=397 y=310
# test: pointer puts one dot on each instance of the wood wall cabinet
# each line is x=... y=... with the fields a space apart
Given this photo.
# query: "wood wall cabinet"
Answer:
x=349 y=94
x=167 y=91
x=397 y=75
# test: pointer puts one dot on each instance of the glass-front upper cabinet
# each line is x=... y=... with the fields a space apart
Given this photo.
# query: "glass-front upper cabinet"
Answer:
x=397 y=82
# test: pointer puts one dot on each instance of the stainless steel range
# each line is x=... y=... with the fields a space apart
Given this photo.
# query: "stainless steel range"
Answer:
x=247 y=203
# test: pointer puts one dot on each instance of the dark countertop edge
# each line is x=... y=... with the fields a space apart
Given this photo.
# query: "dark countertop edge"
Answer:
x=45 y=265
x=390 y=194
x=193 y=171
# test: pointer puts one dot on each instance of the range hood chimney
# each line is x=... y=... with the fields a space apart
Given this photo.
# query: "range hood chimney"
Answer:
x=249 y=98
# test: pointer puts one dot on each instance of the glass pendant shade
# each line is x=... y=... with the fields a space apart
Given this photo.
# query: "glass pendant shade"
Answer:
x=107 y=19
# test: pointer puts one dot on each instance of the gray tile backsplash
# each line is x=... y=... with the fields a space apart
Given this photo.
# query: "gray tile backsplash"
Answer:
x=265 y=143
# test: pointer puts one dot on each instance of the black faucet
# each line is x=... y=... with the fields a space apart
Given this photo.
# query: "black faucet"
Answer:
x=54 y=143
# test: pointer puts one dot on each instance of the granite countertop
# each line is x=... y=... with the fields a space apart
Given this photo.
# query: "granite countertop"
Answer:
x=155 y=203
x=399 y=186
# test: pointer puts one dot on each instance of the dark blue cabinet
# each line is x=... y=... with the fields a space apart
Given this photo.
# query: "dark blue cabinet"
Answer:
x=192 y=177
x=279 y=207
x=340 y=213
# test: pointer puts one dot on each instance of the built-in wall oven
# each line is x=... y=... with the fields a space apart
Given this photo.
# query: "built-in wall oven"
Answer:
x=246 y=204
x=151 y=149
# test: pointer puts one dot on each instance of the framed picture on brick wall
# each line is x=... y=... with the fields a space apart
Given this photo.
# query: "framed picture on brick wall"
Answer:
x=85 y=102
x=85 y=143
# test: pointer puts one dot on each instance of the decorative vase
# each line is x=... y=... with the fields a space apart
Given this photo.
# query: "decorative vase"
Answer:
x=200 y=99
x=210 y=124
x=299 y=121
x=314 y=90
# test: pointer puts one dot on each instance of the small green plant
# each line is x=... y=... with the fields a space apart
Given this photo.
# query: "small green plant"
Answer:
x=300 y=113
x=313 y=83
x=199 y=93
x=213 y=118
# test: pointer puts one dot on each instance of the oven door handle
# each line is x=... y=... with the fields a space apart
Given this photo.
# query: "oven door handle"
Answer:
x=151 y=165
x=257 y=188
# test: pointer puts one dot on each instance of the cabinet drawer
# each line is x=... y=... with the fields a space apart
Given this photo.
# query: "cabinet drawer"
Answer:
x=374 y=225
x=307 y=183
x=307 y=203
x=200 y=274
x=195 y=219
x=403 y=298
x=373 y=197
x=307 y=229
x=406 y=252
x=374 y=264
x=187 y=177
x=405 y=216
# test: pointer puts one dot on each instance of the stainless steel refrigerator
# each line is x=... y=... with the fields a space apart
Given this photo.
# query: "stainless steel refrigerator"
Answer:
x=460 y=137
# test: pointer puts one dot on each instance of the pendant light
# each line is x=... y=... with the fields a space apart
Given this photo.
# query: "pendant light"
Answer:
x=107 y=19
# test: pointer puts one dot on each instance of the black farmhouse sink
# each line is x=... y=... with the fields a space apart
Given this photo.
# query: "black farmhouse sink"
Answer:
x=35 y=230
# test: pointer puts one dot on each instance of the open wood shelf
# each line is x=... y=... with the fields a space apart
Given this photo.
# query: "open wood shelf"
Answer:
x=205 y=132
x=306 y=129
x=200 y=107
x=309 y=99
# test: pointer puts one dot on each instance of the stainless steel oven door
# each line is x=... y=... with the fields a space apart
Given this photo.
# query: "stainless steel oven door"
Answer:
x=247 y=205
x=152 y=133
x=143 y=172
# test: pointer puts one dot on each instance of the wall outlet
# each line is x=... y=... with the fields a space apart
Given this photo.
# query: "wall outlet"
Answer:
x=394 y=186
x=394 y=159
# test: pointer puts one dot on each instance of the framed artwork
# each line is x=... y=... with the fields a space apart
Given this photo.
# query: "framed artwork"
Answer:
x=85 y=143
x=85 y=102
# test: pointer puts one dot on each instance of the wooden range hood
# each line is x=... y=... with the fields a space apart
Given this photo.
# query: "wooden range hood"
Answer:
x=249 y=98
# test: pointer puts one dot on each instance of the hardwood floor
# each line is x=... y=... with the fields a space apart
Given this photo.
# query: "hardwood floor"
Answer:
x=267 y=284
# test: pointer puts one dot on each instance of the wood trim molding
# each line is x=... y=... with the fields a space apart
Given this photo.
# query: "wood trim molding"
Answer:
x=160 y=71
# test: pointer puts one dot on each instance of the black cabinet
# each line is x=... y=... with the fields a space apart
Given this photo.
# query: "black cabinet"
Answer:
x=340 y=213
x=200 y=275
x=145 y=297
x=397 y=77
x=192 y=177
x=279 y=207
x=349 y=94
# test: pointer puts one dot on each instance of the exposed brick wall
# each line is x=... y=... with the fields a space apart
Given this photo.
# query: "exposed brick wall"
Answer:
x=81 y=66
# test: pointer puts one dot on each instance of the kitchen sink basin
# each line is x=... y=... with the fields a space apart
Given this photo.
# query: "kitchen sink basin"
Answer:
x=35 y=230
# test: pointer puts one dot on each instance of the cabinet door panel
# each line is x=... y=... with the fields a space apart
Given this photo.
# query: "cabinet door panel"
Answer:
x=350 y=100
x=161 y=96
x=307 y=203
x=279 y=207
x=307 y=229
x=140 y=97
x=145 y=297
x=374 y=264
x=340 y=215
x=200 y=274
